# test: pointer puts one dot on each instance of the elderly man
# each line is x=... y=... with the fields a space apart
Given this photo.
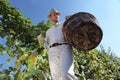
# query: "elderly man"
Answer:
x=60 y=53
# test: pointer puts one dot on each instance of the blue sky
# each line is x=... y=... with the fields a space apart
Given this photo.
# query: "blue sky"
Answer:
x=106 y=11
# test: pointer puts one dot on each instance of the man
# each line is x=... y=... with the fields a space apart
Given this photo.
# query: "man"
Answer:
x=60 y=53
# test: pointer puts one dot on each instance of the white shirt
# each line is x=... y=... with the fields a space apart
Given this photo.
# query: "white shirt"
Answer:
x=54 y=35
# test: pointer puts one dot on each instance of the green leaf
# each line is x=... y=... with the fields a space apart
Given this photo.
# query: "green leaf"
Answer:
x=41 y=43
x=9 y=60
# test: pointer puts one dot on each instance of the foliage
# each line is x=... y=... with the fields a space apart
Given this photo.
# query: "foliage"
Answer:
x=97 y=65
x=22 y=43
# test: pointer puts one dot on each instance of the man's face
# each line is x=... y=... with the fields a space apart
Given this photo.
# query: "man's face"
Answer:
x=54 y=17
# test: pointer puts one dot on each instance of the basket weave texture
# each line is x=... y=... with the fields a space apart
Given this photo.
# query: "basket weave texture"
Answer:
x=82 y=31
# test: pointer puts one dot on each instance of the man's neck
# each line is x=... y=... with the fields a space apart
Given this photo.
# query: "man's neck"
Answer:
x=54 y=23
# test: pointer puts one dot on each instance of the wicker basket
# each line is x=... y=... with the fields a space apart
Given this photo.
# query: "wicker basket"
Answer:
x=82 y=31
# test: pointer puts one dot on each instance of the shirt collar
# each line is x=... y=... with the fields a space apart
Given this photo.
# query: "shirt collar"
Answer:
x=57 y=24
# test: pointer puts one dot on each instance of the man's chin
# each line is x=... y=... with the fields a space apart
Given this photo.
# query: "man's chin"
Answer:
x=57 y=21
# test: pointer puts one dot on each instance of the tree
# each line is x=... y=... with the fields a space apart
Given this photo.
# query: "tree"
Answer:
x=21 y=42
x=97 y=65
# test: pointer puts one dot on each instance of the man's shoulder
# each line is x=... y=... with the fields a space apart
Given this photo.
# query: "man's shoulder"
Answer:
x=61 y=23
x=49 y=30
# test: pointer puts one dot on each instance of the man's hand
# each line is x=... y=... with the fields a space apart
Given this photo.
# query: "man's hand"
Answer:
x=40 y=40
x=40 y=37
x=67 y=17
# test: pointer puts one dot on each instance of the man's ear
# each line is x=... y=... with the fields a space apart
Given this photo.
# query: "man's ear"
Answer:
x=49 y=17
